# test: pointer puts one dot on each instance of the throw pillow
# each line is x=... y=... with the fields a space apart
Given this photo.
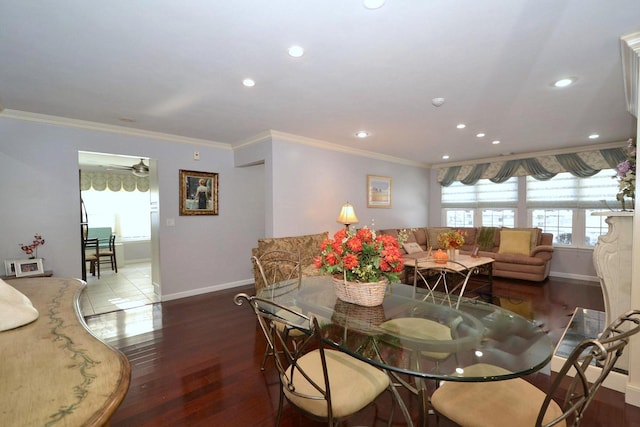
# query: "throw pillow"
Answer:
x=515 y=242
x=412 y=247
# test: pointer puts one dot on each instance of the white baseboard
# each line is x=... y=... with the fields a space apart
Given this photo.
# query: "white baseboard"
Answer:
x=574 y=276
x=614 y=381
x=632 y=395
x=200 y=291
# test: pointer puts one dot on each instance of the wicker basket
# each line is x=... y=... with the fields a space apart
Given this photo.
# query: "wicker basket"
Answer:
x=365 y=294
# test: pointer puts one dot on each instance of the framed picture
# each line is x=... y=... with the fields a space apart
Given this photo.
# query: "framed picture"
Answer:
x=474 y=251
x=198 y=193
x=378 y=191
x=10 y=267
x=28 y=267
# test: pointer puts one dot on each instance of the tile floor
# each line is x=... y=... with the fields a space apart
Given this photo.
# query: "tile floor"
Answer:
x=128 y=288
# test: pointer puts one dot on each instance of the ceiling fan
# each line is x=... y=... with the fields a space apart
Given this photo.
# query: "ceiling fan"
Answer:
x=139 y=169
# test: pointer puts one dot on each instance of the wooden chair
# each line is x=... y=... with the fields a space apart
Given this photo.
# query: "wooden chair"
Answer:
x=92 y=255
x=516 y=402
x=275 y=267
x=109 y=255
x=326 y=385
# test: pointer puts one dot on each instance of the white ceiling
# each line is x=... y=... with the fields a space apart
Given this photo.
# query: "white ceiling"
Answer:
x=176 y=68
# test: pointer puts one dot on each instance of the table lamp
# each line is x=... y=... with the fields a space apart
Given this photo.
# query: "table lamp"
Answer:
x=347 y=215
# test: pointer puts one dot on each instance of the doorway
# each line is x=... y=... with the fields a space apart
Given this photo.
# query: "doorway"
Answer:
x=119 y=194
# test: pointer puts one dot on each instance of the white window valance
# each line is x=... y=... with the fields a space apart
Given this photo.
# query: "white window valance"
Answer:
x=581 y=164
x=101 y=181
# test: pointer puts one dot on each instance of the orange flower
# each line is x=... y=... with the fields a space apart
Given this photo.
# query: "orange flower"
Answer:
x=350 y=261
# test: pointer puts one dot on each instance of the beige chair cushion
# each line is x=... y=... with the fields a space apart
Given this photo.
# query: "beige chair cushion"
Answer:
x=515 y=242
x=354 y=384
x=493 y=403
x=417 y=329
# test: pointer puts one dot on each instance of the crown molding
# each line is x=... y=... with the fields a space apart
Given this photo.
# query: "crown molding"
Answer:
x=101 y=127
x=325 y=145
x=630 y=52
x=529 y=155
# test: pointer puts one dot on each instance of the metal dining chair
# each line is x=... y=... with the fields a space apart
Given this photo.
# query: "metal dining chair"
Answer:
x=517 y=402
x=277 y=267
x=325 y=384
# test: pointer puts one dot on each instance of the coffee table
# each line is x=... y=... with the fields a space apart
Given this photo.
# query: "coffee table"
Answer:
x=449 y=277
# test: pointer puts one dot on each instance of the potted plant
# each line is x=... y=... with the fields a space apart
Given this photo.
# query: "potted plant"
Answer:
x=361 y=263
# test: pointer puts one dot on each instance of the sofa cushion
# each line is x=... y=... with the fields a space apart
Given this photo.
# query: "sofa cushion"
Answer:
x=535 y=234
x=515 y=242
x=412 y=247
x=421 y=236
x=486 y=238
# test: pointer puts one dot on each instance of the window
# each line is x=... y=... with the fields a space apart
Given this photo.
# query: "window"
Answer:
x=556 y=221
x=484 y=203
x=127 y=213
x=563 y=206
x=595 y=226
x=499 y=217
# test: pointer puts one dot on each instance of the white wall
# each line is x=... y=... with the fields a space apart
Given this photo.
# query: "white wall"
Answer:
x=40 y=194
x=310 y=184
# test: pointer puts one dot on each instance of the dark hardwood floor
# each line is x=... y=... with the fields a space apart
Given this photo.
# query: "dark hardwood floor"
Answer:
x=195 y=361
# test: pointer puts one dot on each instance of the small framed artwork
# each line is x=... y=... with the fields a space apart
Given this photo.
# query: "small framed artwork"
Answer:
x=10 y=267
x=198 y=193
x=474 y=251
x=28 y=267
x=378 y=191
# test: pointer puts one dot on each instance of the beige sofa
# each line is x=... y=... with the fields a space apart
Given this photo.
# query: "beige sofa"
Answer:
x=308 y=246
x=515 y=258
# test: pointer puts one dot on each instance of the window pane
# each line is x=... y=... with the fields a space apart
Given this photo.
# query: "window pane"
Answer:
x=127 y=213
x=595 y=226
x=459 y=217
x=498 y=218
x=556 y=221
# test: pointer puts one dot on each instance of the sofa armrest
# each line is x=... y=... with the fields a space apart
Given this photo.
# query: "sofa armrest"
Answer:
x=543 y=251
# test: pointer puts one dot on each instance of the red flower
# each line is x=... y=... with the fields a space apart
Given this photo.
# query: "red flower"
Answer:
x=350 y=261
x=317 y=261
x=365 y=235
x=331 y=258
x=354 y=244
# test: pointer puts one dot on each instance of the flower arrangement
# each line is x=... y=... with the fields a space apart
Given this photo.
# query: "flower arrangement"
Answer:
x=451 y=239
x=627 y=176
x=361 y=256
x=33 y=247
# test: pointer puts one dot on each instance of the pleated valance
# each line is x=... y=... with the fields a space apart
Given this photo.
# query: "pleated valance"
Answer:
x=101 y=181
x=582 y=164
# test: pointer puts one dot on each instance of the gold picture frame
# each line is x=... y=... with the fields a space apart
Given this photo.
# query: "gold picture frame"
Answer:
x=198 y=193
x=378 y=191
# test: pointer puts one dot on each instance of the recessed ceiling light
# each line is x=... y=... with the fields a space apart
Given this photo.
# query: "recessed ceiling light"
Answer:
x=594 y=136
x=461 y=126
x=445 y=157
x=564 y=82
x=480 y=135
x=373 y=4
x=362 y=134
x=495 y=142
x=249 y=82
x=296 y=51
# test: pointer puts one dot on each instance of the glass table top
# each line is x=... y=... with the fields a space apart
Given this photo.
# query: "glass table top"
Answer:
x=427 y=339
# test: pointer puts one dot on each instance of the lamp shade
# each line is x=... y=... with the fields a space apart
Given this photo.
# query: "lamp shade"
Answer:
x=347 y=215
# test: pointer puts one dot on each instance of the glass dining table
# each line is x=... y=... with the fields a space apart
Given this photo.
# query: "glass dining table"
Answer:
x=416 y=340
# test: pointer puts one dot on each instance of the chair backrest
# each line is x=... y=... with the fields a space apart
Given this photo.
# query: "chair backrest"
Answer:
x=92 y=245
x=603 y=352
x=278 y=266
x=112 y=243
x=271 y=316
